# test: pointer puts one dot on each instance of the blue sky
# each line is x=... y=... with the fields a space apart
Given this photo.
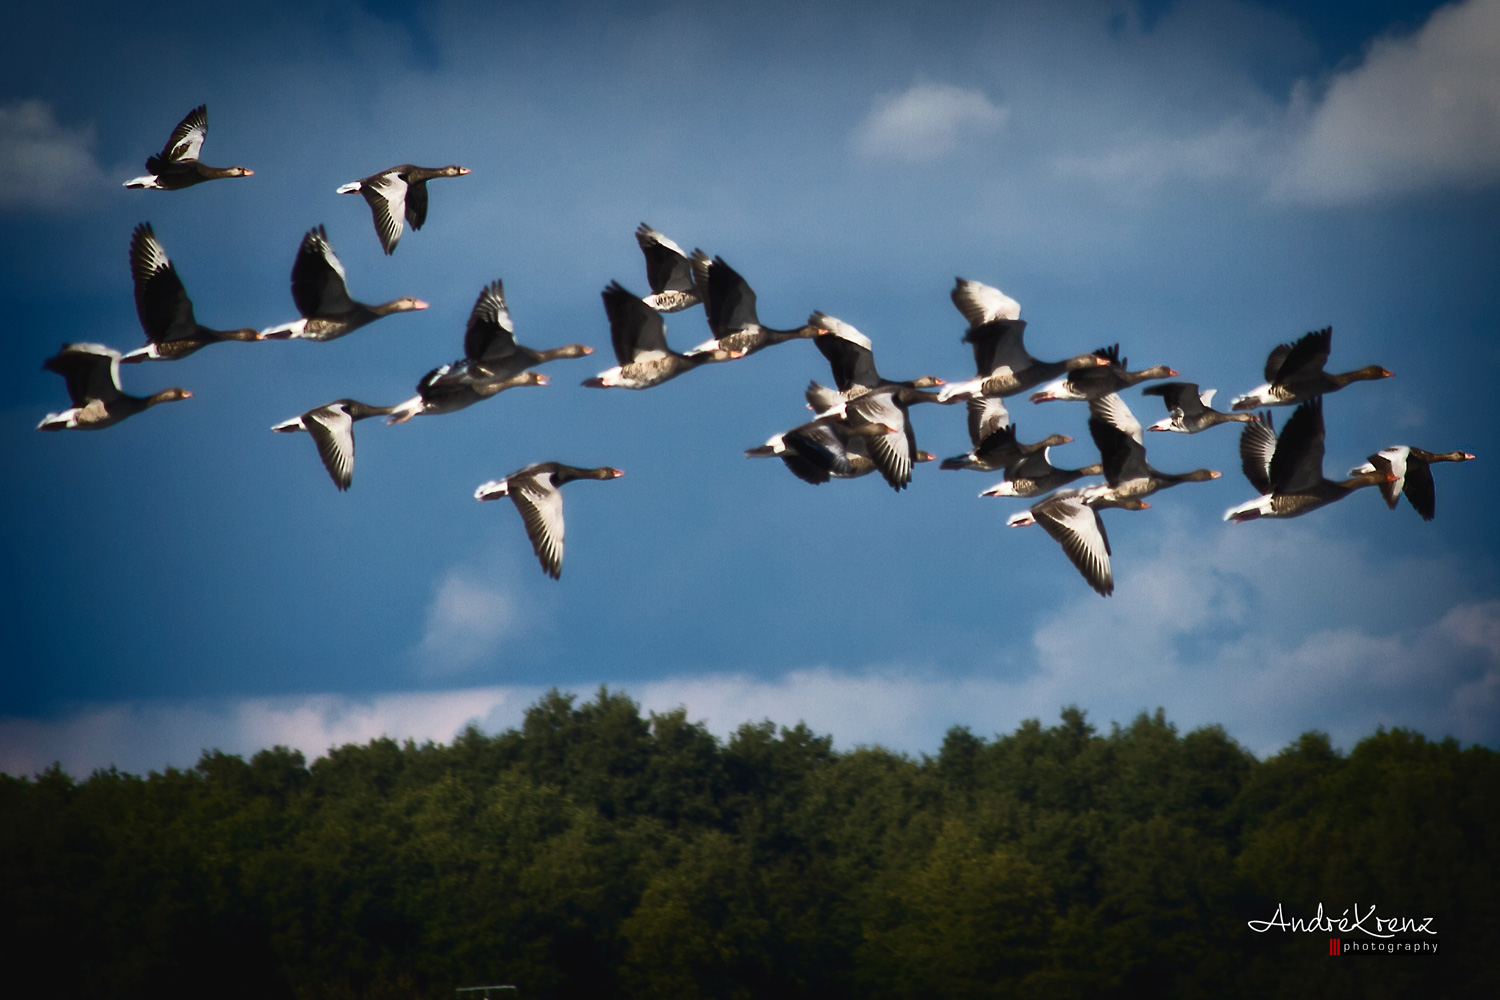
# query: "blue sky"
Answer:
x=1198 y=181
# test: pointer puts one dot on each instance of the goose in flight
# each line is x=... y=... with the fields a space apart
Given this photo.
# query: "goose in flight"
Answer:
x=177 y=166
x=535 y=492
x=92 y=375
x=398 y=195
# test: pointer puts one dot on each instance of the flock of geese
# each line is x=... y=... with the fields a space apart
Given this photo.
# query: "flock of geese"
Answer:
x=861 y=425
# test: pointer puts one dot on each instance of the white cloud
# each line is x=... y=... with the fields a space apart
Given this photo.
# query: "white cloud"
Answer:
x=1421 y=112
x=143 y=736
x=1273 y=669
x=465 y=623
x=926 y=122
x=1206 y=626
x=1219 y=155
x=42 y=164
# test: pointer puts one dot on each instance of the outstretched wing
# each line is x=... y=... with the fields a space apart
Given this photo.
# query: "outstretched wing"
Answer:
x=540 y=504
x=165 y=311
x=318 y=287
x=1298 y=462
x=635 y=329
x=1257 y=445
x=332 y=430
x=1080 y=531
x=90 y=371
x=981 y=303
x=986 y=416
x=730 y=302
x=667 y=267
x=187 y=138
x=416 y=203
x=1302 y=359
x=490 y=335
x=386 y=194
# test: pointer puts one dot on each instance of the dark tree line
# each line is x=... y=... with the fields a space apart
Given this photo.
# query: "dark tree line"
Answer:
x=594 y=852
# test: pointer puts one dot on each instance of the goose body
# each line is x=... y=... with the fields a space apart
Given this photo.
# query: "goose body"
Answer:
x=822 y=449
x=851 y=357
x=1073 y=521
x=322 y=297
x=92 y=375
x=398 y=195
x=669 y=272
x=1410 y=473
x=1190 y=411
x=490 y=347
x=1294 y=373
x=1001 y=452
x=1093 y=382
x=535 y=492
x=1035 y=475
x=177 y=166
x=893 y=450
x=729 y=303
x=1288 y=471
x=1117 y=434
x=996 y=448
x=639 y=337
x=163 y=306
x=451 y=388
x=1003 y=367
x=332 y=429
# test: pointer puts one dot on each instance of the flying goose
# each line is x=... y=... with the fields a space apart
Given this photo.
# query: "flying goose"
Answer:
x=995 y=446
x=398 y=193
x=1002 y=364
x=851 y=357
x=1294 y=373
x=1117 y=434
x=490 y=347
x=448 y=389
x=165 y=311
x=826 y=448
x=1410 y=472
x=1189 y=411
x=1288 y=471
x=332 y=429
x=534 y=491
x=1073 y=521
x=668 y=272
x=729 y=304
x=1094 y=382
x=92 y=375
x=640 y=341
x=177 y=166
x=321 y=296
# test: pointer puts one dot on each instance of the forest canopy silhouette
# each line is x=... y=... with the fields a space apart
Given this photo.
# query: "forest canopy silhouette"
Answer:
x=595 y=851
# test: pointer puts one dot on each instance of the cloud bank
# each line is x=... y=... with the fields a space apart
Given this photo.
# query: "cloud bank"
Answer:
x=1421 y=112
x=143 y=736
x=1209 y=646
